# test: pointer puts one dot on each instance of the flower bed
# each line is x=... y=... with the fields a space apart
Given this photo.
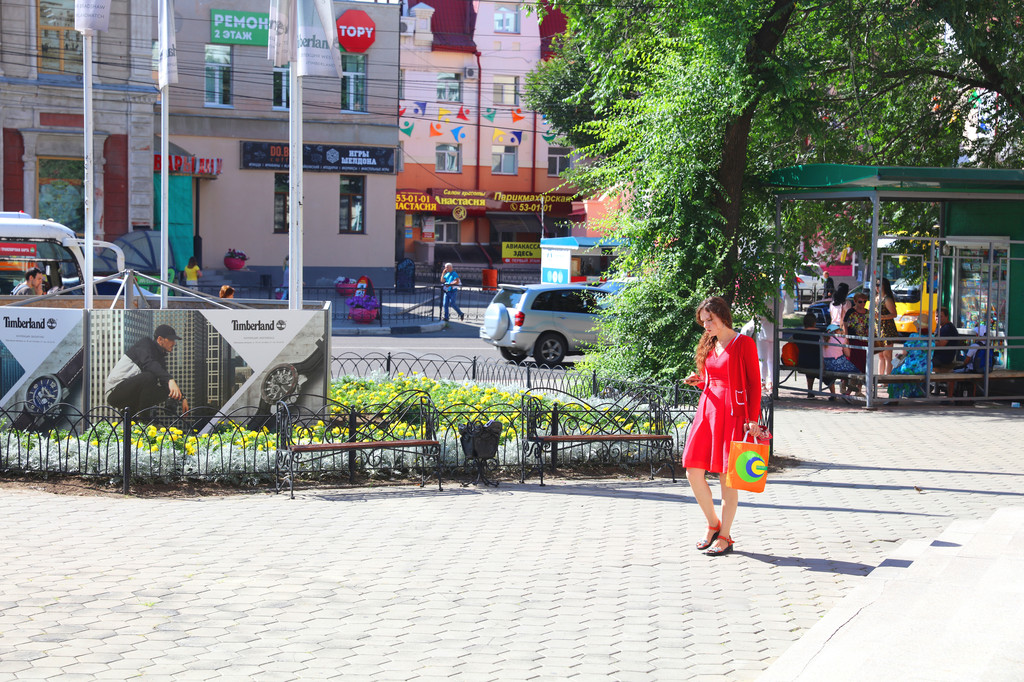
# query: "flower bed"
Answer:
x=236 y=454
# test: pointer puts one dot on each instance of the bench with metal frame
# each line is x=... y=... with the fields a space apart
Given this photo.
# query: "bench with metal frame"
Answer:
x=367 y=429
x=628 y=419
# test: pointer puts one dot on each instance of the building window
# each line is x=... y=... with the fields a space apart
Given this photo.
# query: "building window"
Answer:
x=401 y=84
x=448 y=158
x=506 y=18
x=504 y=159
x=281 y=81
x=59 y=44
x=62 y=192
x=506 y=90
x=449 y=87
x=559 y=160
x=446 y=231
x=351 y=203
x=218 y=75
x=280 y=202
x=353 y=82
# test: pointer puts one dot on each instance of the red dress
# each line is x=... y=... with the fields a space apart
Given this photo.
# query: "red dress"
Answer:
x=718 y=422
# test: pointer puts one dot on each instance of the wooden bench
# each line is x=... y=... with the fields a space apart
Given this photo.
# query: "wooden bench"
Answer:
x=572 y=422
x=369 y=429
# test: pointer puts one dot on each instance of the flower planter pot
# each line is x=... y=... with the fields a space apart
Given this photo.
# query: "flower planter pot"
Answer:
x=345 y=290
x=233 y=263
x=362 y=315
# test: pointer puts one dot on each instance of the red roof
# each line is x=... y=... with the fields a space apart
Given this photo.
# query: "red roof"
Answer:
x=553 y=24
x=452 y=24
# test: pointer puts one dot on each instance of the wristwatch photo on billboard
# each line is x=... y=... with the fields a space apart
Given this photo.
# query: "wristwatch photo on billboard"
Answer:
x=48 y=391
x=281 y=382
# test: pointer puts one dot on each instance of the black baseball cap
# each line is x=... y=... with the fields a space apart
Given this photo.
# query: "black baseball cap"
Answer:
x=166 y=331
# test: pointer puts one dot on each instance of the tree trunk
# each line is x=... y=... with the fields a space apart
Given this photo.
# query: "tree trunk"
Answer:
x=736 y=138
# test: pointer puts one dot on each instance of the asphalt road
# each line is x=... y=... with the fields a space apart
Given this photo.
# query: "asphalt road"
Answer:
x=459 y=339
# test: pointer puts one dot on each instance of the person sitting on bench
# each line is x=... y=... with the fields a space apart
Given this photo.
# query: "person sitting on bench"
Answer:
x=808 y=343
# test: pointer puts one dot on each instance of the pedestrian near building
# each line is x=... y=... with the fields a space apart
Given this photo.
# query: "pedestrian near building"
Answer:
x=192 y=274
x=885 y=305
x=808 y=345
x=729 y=408
x=450 y=284
x=857 y=320
x=838 y=307
x=830 y=286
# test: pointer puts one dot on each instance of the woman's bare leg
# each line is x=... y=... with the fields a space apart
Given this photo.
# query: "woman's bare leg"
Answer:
x=702 y=492
x=730 y=503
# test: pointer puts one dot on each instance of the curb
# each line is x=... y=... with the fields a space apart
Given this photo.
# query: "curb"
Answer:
x=387 y=331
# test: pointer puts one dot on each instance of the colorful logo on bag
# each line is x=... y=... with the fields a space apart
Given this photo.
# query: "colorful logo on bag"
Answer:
x=750 y=466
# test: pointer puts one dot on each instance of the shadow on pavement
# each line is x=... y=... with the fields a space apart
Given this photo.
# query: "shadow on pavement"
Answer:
x=901 y=487
x=820 y=565
x=811 y=464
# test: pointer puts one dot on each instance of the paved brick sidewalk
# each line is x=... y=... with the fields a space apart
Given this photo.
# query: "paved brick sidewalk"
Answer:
x=585 y=580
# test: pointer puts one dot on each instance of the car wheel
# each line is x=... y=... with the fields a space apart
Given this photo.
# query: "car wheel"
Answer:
x=550 y=349
x=515 y=356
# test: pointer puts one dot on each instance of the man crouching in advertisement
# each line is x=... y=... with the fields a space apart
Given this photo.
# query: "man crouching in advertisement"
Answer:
x=140 y=378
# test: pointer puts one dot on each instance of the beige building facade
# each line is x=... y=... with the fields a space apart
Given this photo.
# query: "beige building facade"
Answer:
x=228 y=134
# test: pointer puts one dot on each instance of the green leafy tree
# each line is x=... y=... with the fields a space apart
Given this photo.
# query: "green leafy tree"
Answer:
x=683 y=107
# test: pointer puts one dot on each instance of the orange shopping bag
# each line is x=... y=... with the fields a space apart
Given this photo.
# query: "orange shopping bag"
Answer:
x=748 y=465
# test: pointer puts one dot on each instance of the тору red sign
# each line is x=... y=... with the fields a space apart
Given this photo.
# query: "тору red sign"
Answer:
x=356 y=31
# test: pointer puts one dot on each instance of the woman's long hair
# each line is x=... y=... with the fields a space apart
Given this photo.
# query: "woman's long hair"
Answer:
x=719 y=307
x=839 y=297
x=887 y=288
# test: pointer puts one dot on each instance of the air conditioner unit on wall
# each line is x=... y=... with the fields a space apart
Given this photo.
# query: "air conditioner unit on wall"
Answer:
x=471 y=73
x=405 y=26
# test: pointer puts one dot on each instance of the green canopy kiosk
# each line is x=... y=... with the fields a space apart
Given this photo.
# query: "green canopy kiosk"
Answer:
x=973 y=261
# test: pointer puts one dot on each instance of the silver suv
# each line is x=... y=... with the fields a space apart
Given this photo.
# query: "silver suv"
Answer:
x=548 y=320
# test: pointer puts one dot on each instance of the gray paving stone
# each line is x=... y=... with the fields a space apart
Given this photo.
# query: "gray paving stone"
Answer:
x=389 y=582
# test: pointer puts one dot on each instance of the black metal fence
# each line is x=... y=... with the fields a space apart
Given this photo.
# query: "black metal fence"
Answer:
x=242 y=446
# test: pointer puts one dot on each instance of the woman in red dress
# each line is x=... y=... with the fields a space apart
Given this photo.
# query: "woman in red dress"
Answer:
x=730 y=404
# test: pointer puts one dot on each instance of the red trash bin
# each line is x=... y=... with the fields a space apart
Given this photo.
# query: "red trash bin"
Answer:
x=490 y=279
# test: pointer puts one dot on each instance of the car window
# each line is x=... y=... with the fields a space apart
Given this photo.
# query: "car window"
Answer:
x=545 y=301
x=18 y=255
x=508 y=297
x=576 y=301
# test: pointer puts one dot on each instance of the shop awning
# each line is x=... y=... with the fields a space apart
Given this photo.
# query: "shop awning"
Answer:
x=183 y=162
x=940 y=182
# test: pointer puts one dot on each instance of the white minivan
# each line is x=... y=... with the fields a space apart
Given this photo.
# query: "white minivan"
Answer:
x=27 y=242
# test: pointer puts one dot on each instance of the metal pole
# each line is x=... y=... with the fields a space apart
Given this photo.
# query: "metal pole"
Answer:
x=294 y=188
x=869 y=367
x=126 y=466
x=777 y=304
x=165 y=211
x=90 y=207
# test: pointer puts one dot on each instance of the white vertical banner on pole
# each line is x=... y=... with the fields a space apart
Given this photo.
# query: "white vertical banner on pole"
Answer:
x=167 y=73
x=167 y=69
x=317 y=41
x=92 y=15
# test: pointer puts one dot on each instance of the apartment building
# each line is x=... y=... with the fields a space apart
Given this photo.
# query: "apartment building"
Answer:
x=479 y=182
